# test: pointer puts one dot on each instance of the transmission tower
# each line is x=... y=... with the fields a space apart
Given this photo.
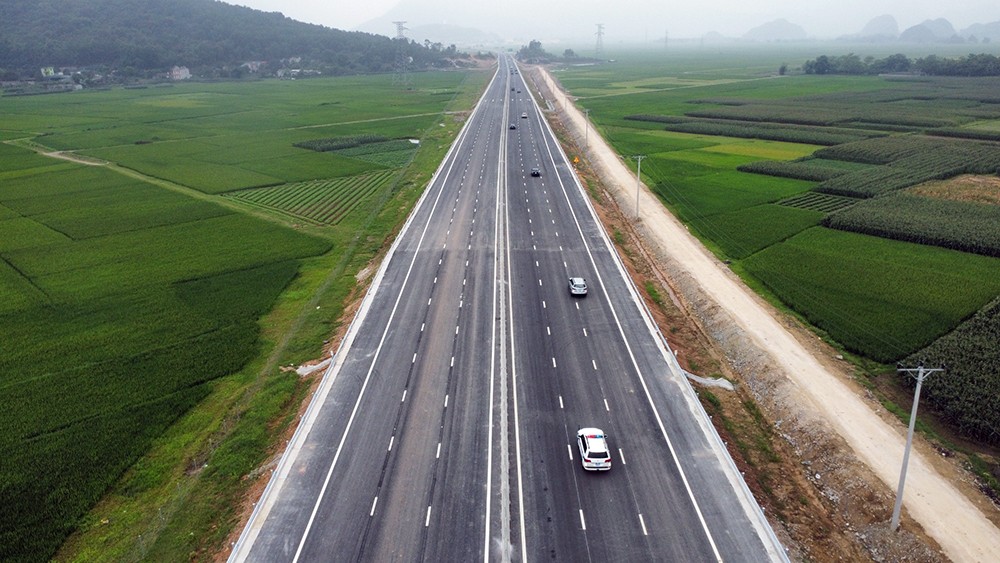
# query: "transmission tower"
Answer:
x=599 y=48
x=401 y=76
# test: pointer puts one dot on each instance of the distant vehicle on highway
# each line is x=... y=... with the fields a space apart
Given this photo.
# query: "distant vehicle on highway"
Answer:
x=513 y=126
x=594 y=453
x=524 y=115
x=577 y=286
x=536 y=172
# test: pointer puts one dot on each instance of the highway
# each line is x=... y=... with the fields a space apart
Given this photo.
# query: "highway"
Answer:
x=445 y=428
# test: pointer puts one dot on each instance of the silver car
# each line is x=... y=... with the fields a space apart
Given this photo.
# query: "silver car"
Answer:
x=577 y=286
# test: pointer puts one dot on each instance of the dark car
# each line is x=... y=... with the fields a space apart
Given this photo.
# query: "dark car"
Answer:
x=512 y=126
x=536 y=172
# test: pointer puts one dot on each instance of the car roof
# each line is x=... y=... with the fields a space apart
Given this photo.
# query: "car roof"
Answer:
x=577 y=280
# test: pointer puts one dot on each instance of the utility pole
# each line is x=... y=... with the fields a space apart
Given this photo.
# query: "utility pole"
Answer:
x=638 y=180
x=921 y=374
x=586 y=128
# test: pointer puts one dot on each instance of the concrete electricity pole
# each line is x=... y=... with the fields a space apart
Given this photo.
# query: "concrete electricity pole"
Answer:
x=638 y=180
x=586 y=128
x=921 y=373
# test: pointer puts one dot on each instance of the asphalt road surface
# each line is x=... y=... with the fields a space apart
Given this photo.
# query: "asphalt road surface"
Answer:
x=445 y=429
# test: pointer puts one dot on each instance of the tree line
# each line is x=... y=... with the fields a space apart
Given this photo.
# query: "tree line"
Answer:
x=154 y=35
x=972 y=65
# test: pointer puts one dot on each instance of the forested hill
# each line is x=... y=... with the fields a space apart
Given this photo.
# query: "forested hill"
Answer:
x=200 y=34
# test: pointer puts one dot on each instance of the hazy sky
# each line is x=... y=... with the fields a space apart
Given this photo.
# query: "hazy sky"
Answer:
x=634 y=19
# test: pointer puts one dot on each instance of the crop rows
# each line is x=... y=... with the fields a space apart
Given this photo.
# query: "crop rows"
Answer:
x=885 y=150
x=790 y=133
x=968 y=395
x=862 y=289
x=339 y=143
x=958 y=157
x=827 y=114
x=976 y=134
x=323 y=201
x=969 y=227
x=815 y=201
x=798 y=169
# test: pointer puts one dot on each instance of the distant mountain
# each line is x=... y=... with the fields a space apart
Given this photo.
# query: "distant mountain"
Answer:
x=153 y=35
x=880 y=27
x=930 y=31
x=982 y=31
x=777 y=30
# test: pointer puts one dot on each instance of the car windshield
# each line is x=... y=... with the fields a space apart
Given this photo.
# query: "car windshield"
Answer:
x=599 y=455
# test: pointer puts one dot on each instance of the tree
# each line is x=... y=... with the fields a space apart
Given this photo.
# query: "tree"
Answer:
x=569 y=54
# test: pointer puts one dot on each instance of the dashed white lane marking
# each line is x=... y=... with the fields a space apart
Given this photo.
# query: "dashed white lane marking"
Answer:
x=569 y=448
x=621 y=456
x=585 y=332
x=583 y=523
x=548 y=330
x=422 y=326
x=561 y=402
x=539 y=283
x=391 y=440
x=543 y=305
x=453 y=357
x=372 y=511
x=594 y=363
x=435 y=279
x=429 y=301
x=414 y=360
x=438 y=455
x=577 y=306
x=642 y=523
x=456 y=329
x=446 y=401
x=553 y=362
x=606 y=407
x=403 y=400
x=427 y=521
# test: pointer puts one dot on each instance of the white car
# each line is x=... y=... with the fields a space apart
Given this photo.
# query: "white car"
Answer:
x=577 y=286
x=594 y=452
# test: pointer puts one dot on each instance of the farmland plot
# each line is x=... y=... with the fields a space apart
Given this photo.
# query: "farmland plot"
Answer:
x=96 y=278
x=322 y=201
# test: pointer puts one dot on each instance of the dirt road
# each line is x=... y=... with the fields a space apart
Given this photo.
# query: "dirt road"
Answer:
x=952 y=518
